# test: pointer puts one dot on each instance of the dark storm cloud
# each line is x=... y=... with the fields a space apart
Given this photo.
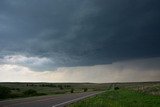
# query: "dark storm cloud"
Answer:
x=80 y=32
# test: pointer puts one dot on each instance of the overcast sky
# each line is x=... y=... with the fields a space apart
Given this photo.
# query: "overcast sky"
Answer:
x=79 y=40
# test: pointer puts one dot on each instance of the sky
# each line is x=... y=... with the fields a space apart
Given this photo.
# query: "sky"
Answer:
x=79 y=40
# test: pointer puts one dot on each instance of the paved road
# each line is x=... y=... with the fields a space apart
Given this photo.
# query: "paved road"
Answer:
x=47 y=101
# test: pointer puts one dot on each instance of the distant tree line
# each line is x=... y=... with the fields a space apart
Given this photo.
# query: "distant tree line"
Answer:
x=49 y=85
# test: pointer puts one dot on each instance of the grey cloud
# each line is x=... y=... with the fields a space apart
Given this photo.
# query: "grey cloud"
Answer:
x=35 y=63
x=80 y=32
x=123 y=71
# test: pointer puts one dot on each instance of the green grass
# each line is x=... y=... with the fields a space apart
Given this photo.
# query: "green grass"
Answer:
x=17 y=89
x=120 y=98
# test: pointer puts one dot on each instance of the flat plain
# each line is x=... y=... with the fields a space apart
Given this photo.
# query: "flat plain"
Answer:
x=131 y=94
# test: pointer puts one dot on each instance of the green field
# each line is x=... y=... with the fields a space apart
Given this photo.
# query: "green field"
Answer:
x=19 y=90
x=129 y=95
x=136 y=94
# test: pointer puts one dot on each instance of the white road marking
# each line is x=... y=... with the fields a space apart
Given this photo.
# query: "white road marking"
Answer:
x=80 y=98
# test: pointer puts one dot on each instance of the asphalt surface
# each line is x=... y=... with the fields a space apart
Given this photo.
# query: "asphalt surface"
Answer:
x=47 y=101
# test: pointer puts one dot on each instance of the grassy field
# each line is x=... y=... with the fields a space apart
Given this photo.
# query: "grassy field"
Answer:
x=19 y=90
x=128 y=95
x=120 y=98
x=136 y=94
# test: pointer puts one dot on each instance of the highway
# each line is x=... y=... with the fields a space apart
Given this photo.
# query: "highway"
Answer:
x=47 y=101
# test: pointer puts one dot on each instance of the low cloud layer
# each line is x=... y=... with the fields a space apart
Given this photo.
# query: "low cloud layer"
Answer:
x=35 y=63
x=128 y=71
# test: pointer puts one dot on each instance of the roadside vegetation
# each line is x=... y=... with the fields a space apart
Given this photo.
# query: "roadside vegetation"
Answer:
x=6 y=92
x=20 y=90
x=124 y=96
